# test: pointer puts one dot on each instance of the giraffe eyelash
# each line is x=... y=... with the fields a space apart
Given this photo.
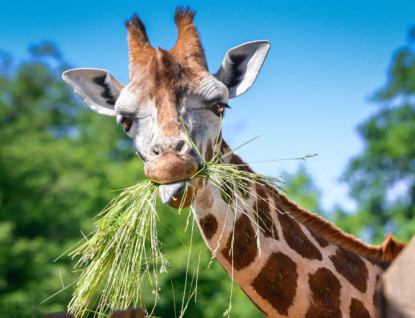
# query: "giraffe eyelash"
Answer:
x=219 y=108
x=126 y=122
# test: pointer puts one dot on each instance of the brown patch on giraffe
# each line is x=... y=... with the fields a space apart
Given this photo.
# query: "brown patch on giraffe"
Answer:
x=388 y=251
x=209 y=151
x=263 y=214
x=277 y=282
x=358 y=310
x=201 y=146
x=321 y=241
x=351 y=267
x=296 y=238
x=209 y=226
x=245 y=249
x=325 y=288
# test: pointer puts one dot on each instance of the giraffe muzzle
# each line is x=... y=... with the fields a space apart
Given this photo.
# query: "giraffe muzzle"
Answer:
x=169 y=168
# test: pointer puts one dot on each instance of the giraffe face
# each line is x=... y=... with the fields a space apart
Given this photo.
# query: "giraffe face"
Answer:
x=169 y=91
x=160 y=98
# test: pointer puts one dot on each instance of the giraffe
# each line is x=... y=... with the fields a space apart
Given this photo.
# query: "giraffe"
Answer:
x=306 y=267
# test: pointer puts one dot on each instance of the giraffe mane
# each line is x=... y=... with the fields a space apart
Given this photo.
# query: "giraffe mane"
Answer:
x=386 y=252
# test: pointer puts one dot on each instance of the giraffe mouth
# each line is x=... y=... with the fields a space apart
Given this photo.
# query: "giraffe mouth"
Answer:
x=169 y=190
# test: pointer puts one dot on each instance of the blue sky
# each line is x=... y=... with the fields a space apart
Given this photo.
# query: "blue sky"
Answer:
x=326 y=60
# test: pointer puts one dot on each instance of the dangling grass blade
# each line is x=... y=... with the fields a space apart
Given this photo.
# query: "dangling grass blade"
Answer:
x=232 y=151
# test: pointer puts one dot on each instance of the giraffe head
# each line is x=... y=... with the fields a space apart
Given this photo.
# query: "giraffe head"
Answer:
x=167 y=89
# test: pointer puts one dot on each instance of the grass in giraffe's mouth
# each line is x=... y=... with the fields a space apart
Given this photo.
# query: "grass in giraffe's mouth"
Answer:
x=124 y=249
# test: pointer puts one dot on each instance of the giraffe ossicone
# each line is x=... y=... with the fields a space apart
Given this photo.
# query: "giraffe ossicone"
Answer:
x=306 y=267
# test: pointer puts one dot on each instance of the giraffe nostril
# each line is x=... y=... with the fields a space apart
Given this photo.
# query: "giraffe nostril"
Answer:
x=179 y=145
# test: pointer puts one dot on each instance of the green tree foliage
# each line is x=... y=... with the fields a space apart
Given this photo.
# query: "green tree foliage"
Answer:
x=382 y=177
x=59 y=166
x=56 y=172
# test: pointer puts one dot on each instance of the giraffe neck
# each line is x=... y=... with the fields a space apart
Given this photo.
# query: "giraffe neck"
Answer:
x=285 y=267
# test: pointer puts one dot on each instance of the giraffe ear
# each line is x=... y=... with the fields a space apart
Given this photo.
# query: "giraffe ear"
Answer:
x=241 y=66
x=97 y=88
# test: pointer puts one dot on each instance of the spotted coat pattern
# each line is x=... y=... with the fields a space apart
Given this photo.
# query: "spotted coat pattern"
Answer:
x=296 y=272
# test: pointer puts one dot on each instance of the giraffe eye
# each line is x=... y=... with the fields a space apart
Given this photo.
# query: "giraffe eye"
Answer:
x=127 y=123
x=219 y=109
